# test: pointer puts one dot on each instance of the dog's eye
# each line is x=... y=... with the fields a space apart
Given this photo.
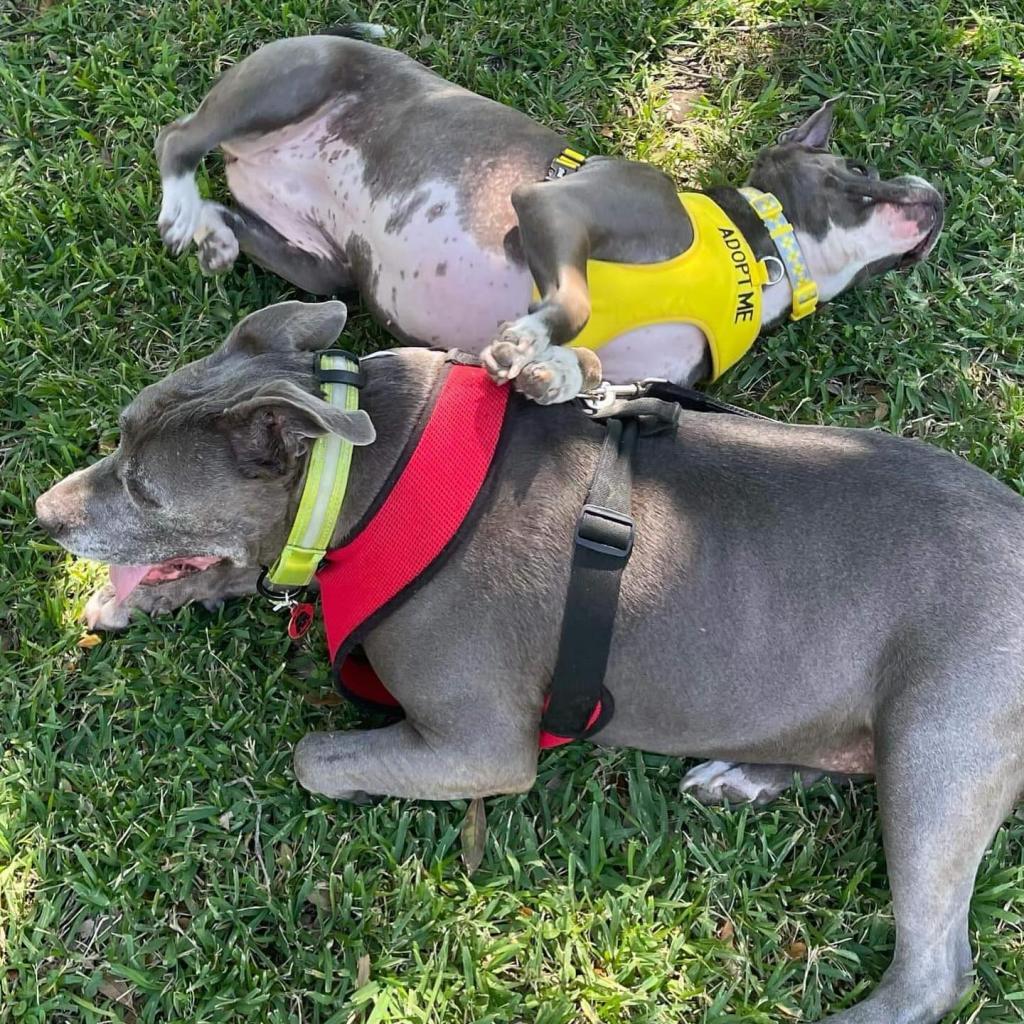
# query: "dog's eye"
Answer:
x=858 y=169
x=136 y=492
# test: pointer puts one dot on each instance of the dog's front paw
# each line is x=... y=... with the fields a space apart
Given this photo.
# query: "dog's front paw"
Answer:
x=521 y=342
x=313 y=762
x=103 y=612
x=180 y=212
x=216 y=243
x=558 y=377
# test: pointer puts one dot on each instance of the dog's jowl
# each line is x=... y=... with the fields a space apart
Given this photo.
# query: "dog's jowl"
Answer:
x=463 y=222
x=797 y=599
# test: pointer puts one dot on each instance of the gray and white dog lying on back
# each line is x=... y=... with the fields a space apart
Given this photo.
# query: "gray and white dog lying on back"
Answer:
x=798 y=598
x=354 y=167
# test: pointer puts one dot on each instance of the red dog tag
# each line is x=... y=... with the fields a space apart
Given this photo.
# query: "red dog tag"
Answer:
x=300 y=620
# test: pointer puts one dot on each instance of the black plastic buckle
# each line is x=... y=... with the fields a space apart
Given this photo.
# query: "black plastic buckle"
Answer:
x=589 y=534
x=332 y=376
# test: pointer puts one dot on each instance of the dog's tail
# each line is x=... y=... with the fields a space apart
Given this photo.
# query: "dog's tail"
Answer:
x=365 y=30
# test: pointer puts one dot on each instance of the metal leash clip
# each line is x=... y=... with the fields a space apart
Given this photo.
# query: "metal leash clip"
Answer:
x=598 y=401
x=280 y=600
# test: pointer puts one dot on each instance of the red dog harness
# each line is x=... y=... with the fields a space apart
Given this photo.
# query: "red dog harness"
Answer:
x=417 y=523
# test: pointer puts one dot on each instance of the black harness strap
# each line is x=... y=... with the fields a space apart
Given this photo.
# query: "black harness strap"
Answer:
x=604 y=540
x=578 y=702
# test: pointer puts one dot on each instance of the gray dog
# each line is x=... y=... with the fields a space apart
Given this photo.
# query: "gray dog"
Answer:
x=799 y=599
x=354 y=167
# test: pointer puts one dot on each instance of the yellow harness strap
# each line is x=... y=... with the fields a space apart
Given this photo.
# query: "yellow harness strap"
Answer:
x=323 y=490
x=714 y=285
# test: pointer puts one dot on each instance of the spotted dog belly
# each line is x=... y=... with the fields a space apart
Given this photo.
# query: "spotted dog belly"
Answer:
x=431 y=262
x=426 y=276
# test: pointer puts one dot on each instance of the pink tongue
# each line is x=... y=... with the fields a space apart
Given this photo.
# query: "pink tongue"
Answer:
x=126 y=578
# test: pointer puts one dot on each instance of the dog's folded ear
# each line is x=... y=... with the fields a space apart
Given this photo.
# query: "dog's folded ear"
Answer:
x=816 y=131
x=269 y=431
x=288 y=327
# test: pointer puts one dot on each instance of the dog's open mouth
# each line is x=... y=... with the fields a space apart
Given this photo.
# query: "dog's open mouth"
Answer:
x=126 y=578
x=927 y=214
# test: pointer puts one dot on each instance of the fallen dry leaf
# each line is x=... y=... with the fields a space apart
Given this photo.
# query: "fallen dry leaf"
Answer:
x=474 y=835
x=117 y=991
x=725 y=931
x=89 y=640
x=320 y=897
x=363 y=970
x=328 y=699
x=680 y=103
x=796 y=950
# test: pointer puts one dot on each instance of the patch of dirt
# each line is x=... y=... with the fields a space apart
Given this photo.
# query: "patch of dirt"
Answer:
x=700 y=70
x=780 y=46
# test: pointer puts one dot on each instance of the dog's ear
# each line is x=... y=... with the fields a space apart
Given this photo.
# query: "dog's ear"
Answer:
x=816 y=131
x=269 y=431
x=288 y=327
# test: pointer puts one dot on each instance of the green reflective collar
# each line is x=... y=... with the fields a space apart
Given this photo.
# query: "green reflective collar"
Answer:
x=805 y=289
x=323 y=490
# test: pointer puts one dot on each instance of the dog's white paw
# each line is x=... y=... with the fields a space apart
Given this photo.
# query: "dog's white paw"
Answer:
x=557 y=377
x=521 y=342
x=217 y=246
x=180 y=212
x=103 y=612
x=717 y=782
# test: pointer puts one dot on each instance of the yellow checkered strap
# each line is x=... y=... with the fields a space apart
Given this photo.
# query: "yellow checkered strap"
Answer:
x=805 y=288
x=323 y=489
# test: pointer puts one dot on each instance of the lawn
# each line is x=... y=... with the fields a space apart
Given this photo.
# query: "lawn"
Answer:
x=157 y=860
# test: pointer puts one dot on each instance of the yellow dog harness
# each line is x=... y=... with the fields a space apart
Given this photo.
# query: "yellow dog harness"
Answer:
x=715 y=285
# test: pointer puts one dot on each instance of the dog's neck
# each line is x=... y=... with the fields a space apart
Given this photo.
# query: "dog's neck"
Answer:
x=776 y=299
x=399 y=384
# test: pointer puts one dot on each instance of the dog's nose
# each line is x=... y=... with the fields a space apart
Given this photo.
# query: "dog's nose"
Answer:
x=49 y=515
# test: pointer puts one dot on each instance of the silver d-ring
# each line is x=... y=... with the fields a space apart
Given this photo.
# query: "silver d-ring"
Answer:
x=767 y=261
x=284 y=596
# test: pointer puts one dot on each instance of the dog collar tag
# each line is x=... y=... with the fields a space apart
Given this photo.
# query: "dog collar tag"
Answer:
x=300 y=620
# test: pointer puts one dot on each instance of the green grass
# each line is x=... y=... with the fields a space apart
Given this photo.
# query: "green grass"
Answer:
x=157 y=861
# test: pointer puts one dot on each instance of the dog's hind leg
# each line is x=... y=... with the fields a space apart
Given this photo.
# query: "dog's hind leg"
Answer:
x=278 y=85
x=948 y=771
